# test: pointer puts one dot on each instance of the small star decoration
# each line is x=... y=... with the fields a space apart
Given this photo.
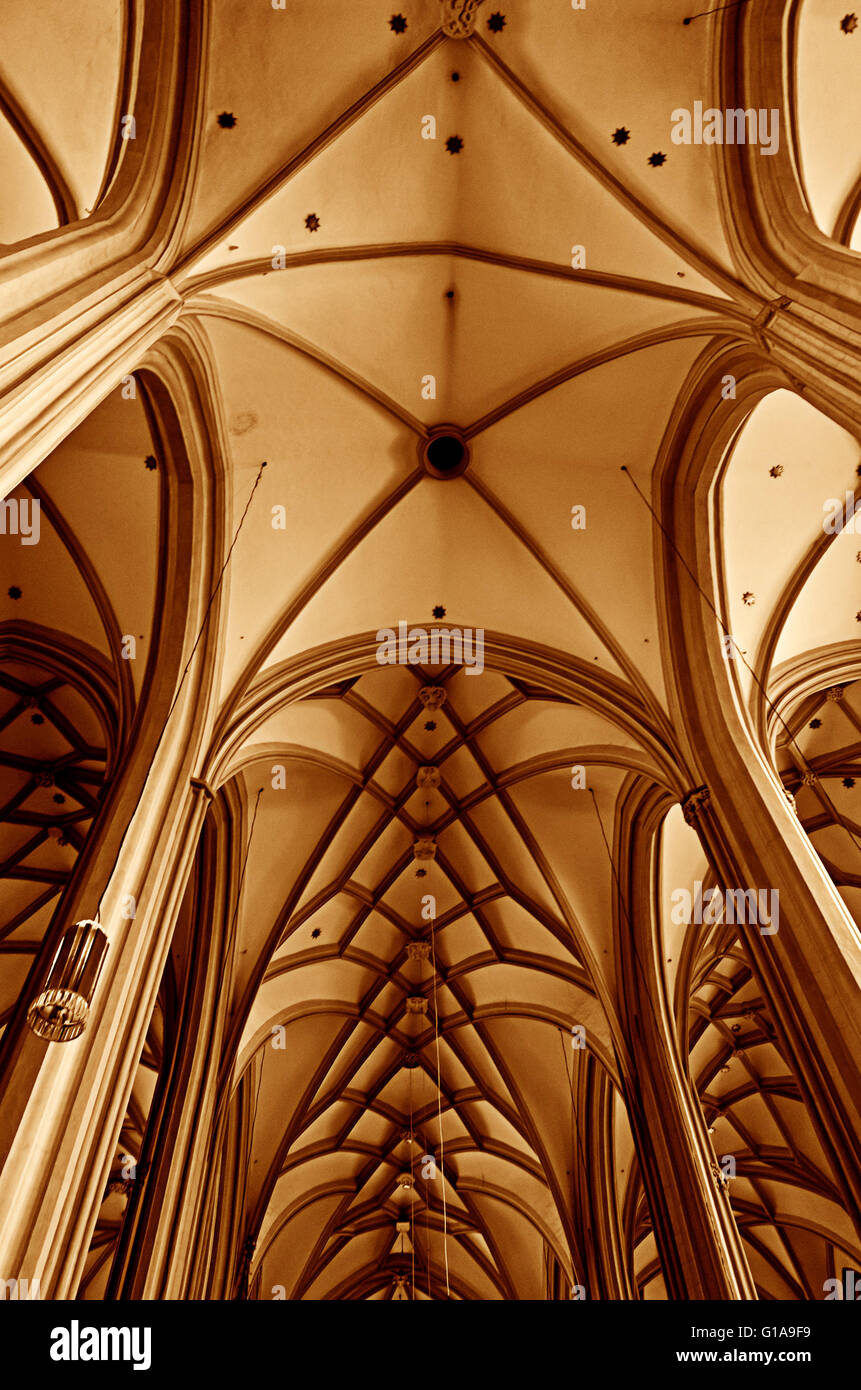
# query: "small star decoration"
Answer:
x=59 y=798
x=621 y=135
x=316 y=932
x=748 y=598
x=454 y=144
x=397 y=23
x=430 y=726
x=849 y=23
x=421 y=873
x=816 y=723
x=14 y=591
x=37 y=718
x=849 y=782
x=656 y=160
x=439 y=611
x=496 y=23
x=312 y=222
x=150 y=462
x=776 y=471
x=227 y=120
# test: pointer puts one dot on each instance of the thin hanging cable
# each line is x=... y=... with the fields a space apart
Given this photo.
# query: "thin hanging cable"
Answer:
x=439 y=1113
x=215 y=589
x=806 y=769
x=733 y=5
x=185 y=670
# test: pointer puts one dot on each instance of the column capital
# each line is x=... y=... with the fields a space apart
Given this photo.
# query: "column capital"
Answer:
x=693 y=803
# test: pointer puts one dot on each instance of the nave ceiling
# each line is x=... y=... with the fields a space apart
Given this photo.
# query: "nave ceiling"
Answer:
x=345 y=286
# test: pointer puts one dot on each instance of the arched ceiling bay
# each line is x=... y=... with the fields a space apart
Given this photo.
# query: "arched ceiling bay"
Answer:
x=827 y=52
x=530 y=283
x=788 y=539
x=60 y=103
x=339 y=1039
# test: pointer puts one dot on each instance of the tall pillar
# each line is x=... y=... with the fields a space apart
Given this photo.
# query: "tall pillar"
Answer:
x=52 y=1181
x=698 y=1242
x=603 y=1242
x=159 y=1241
x=69 y=1099
x=809 y=970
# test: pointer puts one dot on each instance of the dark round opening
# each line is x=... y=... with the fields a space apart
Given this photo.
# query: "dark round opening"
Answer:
x=445 y=453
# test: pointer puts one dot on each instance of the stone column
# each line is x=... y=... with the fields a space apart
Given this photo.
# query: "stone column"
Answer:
x=697 y=1238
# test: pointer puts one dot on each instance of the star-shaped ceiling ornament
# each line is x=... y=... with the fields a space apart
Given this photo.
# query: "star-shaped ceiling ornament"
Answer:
x=312 y=222
x=748 y=598
x=657 y=159
x=621 y=135
x=849 y=23
x=430 y=726
x=849 y=782
x=316 y=932
x=13 y=591
x=776 y=471
x=816 y=723
x=496 y=23
x=454 y=144
x=150 y=462
x=439 y=611
x=227 y=120
x=398 y=24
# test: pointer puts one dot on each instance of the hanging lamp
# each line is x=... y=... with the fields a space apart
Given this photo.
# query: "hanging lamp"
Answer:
x=59 y=1013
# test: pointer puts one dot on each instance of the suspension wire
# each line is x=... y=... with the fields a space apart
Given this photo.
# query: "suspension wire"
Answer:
x=733 y=5
x=185 y=671
x=806 y=769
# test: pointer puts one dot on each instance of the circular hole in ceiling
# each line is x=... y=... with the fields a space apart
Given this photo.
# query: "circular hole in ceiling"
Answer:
x=445 y=453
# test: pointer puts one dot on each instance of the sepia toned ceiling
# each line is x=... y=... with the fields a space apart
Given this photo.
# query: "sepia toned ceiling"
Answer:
x=347 y=285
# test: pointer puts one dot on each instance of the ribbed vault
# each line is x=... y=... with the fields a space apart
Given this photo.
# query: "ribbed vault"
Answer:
x=438 y=903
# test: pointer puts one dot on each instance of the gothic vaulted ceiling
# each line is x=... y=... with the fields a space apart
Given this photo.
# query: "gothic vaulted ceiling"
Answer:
x=387 y=230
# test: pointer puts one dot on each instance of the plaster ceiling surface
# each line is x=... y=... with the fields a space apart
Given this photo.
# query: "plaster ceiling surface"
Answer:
x=456 y=267
x=825 y=79
x=58 y=118
x=349 y=285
